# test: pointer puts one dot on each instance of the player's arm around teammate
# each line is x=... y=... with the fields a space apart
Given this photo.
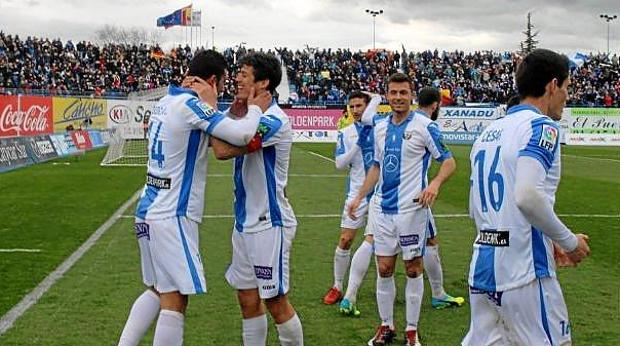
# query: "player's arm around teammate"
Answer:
x=171 y=205
x=265 y=225
x=354 y=151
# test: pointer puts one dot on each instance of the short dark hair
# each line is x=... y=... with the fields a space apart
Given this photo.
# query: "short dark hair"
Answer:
x=427 y=96
x=207 y=63
x=399 y=77
x=539 y=68
x=266 y=67
x=358 y=94
x=513 y=101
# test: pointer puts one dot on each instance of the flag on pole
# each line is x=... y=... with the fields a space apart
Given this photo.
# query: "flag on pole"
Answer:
x=196 y=18
x=186 y=17
x=181 y=17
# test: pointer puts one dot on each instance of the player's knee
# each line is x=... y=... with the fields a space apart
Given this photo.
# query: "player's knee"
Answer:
x=250 y=303
x=345 y=241
x=280 y=308
x=386 y=270
x=432 y=241
x=174 y=301
x=414 y=268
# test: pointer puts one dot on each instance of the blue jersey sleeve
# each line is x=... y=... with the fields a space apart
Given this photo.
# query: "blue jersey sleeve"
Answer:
x=435 y=144
x=543 y=143
x=269 y=129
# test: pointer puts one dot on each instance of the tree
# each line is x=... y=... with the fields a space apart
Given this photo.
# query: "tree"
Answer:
x=109 y=34
x=529 y=44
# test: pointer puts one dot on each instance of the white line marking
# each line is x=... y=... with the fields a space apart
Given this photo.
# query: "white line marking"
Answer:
x=6 y=322
x=321 y=156
x=20 y=250
x=295 y=175
x=438 y=216
x=591 y=158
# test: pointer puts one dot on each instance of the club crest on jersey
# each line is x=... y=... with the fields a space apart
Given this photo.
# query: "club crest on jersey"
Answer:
x=548 y=137
x=265 y=273
x=407 y=135
x=411 y=239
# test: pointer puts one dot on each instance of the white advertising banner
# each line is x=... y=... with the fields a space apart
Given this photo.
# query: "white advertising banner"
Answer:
x=130 y=118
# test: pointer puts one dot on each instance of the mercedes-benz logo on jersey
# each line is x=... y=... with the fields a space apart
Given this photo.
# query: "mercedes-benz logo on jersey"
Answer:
x=390 y=163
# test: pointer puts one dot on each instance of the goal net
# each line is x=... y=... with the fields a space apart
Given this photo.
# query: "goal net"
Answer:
x=126 y=151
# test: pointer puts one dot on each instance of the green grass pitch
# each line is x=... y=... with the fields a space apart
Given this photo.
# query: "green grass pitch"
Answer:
x=55 y=206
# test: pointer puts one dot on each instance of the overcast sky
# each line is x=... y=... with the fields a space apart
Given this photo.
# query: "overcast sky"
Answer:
x=564 y=25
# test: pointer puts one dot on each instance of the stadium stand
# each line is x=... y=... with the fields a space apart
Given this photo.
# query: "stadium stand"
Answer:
x=53 y=67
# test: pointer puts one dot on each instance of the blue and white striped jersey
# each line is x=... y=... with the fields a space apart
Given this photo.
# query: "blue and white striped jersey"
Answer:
x=509 y=252
x=177 y=147
x=403 y=154
x=359 y=158
x=261 y=177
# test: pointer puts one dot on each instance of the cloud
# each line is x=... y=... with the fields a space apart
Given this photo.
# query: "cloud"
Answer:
x=565 y=25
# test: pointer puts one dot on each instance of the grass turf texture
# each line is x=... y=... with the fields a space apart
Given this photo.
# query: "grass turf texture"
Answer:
x=55 y=208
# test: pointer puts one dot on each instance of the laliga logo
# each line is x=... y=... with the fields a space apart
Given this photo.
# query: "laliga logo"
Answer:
x=32 y=120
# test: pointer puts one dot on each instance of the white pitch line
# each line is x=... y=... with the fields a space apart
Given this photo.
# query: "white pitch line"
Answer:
x=591 y=158
x=20 y=250
x=438 y=216
x=7 y=321
x=321 y=156
x=295 y=175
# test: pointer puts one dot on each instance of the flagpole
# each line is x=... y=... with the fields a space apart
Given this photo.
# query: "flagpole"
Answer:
x=191 y=23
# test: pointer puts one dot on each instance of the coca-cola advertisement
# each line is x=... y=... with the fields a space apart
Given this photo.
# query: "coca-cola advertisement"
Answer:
x=25 y=116
x=81 y=140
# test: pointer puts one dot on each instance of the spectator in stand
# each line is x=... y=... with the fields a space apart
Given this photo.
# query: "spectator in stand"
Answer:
x=315 y=76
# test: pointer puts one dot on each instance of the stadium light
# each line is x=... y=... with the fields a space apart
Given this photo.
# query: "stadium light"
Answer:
x=213 y=37
x=608 y=18
x=374 y=14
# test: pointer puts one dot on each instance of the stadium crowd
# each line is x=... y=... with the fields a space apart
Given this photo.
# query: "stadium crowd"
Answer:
x=315 y=76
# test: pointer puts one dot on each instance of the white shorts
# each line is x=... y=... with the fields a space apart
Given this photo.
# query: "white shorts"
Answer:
x=347 y=222
x=261 y=260
x=431 y=228
x=170 y=256
x=404 y=233
x=534 y=314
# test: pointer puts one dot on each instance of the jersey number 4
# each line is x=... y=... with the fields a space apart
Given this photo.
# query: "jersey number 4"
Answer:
x=494 y=182
x=157 y=150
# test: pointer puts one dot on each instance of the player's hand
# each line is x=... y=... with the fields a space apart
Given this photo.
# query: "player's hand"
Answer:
x=206 y=91
x=261 y=99
x=352 y=208
x=427 y=196
x=582 y=251
x=187 y=82
x=239 y=107
x=561 y=257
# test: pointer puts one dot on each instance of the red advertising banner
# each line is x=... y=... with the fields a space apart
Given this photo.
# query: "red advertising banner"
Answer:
x=314 y=118
x=81 y=140
x=25 y=116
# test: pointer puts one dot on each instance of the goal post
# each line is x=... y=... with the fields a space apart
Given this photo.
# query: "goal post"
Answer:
x=126 y=151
